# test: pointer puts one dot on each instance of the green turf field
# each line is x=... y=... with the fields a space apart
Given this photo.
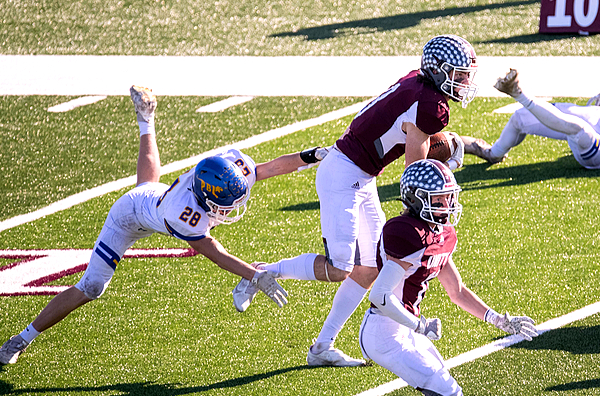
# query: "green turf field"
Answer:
x=528 y=238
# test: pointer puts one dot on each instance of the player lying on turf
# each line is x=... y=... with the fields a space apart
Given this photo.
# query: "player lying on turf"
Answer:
x=578 y=125
x=398 y=122
x=214 y=192
x=415 y=248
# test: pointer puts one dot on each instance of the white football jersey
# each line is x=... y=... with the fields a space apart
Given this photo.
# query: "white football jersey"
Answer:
x=174 y=210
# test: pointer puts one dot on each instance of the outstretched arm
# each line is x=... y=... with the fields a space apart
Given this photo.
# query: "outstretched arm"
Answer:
x=214 y=251
x=470 y=302
x=279 y=166
x=290 y=162
x=460 y=294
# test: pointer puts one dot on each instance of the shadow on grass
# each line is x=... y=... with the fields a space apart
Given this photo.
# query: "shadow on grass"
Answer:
x=588 y=384
x=530 y=38
x=480 y=176
x=396 y=22
x=150 y=388
x=483 y=175
x=575 y=340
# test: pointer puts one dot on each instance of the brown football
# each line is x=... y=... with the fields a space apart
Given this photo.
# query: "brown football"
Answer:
x=441 y=146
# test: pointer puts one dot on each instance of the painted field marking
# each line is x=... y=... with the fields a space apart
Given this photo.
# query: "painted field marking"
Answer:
x=177 y=166
x=224 y=104
x=495 y=346
x=75 y=103
x=34 y=268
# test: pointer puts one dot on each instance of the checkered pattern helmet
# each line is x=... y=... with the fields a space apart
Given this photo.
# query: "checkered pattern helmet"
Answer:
x=420 y=186
x=443 y=56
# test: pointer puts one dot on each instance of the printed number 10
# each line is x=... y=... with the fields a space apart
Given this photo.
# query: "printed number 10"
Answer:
x=560 y=19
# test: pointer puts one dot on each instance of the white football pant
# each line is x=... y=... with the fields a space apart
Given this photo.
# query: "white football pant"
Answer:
x=409 y=355
x=121 y=230
x=351 y=214
x=578 y=125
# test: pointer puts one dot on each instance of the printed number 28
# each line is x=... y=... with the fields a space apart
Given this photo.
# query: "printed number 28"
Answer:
x=185 y=216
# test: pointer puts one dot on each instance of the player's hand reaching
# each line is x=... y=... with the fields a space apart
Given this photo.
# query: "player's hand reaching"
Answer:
x=313 y=156
x=268 y=285
x=459 y=152
x=520 y=325
x=431 y=328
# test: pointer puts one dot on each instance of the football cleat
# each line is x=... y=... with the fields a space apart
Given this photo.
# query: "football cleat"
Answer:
x=144 y=102
x=10 y=351
x=509 y=84
x=332 y=357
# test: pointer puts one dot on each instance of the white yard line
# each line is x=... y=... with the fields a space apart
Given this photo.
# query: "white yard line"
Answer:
x=178 y=165
x=224 y=104
x=75 y=103
x=270 y=76
x=495 y=346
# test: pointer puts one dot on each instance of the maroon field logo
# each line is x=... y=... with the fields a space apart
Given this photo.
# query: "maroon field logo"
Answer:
x=31 y=270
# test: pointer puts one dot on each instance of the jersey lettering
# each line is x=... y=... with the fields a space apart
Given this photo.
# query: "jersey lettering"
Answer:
x=242 y=165
x=185 y=216
x=380 y=97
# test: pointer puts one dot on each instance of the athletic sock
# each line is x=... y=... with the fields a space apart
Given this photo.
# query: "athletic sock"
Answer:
x=346 y=300
x=301 y=267
x=524 y=100
x=29 y=333
x=146 y=127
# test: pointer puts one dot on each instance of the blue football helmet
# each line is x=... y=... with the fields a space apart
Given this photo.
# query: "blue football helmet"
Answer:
x=429 y=190
x=445 y=56
x=220 y=189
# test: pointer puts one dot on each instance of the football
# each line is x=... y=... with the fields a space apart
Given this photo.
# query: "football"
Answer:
x=441 y=146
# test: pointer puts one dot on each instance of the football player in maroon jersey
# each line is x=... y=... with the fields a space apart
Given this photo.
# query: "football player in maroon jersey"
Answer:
x=397 y=122
x=415 y=248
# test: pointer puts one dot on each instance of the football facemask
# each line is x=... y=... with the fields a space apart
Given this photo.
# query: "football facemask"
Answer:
x=429 y=190
x=450 y=62
x=220 y=189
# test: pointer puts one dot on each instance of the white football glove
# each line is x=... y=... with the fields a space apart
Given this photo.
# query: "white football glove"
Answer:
x=595 y=101
x=316 y=154
x=268 y=285
x=521 y=325
x=456 y=159
x=431 y=328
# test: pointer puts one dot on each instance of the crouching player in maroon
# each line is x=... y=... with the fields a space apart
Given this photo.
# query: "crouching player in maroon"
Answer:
x=415 y=248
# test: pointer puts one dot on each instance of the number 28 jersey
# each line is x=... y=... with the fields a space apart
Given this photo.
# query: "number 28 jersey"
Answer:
x=173 y=210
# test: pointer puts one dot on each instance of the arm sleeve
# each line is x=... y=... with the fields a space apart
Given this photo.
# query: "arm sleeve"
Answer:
x=383 y=297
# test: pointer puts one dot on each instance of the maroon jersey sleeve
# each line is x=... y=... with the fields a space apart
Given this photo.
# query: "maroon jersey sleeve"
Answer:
x=432 y=116
x=401 y=239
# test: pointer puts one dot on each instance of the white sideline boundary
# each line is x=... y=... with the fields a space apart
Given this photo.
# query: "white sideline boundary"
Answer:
x=178 y=165
x=495 y=346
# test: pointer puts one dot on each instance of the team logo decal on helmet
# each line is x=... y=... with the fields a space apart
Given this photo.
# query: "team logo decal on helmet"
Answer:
x=220 y=189
x=429 y=190
x=450 y=62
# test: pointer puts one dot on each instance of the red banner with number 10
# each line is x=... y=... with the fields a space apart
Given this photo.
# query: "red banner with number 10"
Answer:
x=570 y=16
